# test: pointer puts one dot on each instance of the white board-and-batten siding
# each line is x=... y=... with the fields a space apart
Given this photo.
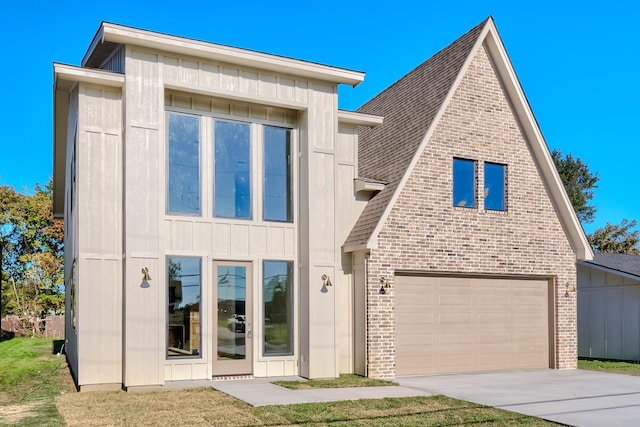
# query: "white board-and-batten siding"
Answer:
x=99 y=246
x=222 y=90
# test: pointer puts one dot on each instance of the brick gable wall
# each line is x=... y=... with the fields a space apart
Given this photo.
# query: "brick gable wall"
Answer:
x=425 y=232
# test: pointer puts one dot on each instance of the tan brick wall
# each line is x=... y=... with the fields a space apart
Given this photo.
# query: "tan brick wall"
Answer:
x=425 y=232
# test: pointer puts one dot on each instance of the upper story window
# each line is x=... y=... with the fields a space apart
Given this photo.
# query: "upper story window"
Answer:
x=183 y=183
x=277 y=171
x=494 y=186
x=232 y=166
x=464 y=183
x=229 y=161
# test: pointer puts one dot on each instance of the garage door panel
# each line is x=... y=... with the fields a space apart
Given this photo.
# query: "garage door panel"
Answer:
x=473 y=324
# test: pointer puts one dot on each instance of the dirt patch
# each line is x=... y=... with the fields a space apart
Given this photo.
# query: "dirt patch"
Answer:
x=12 y=414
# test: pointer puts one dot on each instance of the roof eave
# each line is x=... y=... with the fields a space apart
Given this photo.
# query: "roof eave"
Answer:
x=133 y=36
x=361 y=119
x=65 y=77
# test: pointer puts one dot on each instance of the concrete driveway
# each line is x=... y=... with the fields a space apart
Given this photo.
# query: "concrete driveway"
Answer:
x=573 y=397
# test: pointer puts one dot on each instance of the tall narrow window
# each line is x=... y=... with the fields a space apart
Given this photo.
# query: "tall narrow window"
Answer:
x=464 y=183
x=183 y=310
x=494 y=187
x=277 y=294
x=232 y=165
x=183 y=186
x=277 y=194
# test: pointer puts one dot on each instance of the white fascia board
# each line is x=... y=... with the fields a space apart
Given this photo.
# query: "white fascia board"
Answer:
x=354 y=248
x=133 y=36
x=541 y=153
x=70 y=73
x=353 y=118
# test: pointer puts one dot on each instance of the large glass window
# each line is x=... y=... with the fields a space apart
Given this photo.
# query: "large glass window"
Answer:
x=494 y=188
x=183 y=297
x=277 y=175
x=232 y=165
x=184 y=165
x=464 y=183
x=277 y=294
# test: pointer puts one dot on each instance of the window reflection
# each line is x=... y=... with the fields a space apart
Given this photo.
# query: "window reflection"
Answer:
x=494 y=188
x=184 y=280
x=232 y=164
x=277 y=295
x=277 y=174
x=184 y=165
x=464 y=183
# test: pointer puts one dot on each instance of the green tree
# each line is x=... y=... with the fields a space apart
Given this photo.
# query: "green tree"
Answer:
x=32 y=262
x=616 y=238
x=579 y=183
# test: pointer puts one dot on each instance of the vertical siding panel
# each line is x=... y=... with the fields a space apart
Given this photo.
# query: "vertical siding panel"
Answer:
x=142 y=89
x=209 y=76
x=230 y=79
x=286 y=89
x=268 y=86
x=171 y=69
x=189 y=72
x=301 y=91
x=249 y=83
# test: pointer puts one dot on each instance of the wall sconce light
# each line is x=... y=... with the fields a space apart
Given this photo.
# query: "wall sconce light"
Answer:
x=145 y=274
x=326 y=281
x=383 y=284
x=568 y=289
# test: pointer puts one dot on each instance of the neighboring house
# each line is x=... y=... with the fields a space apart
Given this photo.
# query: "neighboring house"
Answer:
x=224 y=218
x=609 y=307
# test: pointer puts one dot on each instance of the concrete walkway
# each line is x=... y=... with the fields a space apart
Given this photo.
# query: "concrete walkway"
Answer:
x=260 y=392
x=572 y=397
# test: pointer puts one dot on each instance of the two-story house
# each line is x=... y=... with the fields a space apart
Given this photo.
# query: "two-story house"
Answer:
x=224 y=218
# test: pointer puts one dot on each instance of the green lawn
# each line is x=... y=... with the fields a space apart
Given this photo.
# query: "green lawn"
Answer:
x=31 y=376
x=36 y=390
x=345 y=380
x=610 y=366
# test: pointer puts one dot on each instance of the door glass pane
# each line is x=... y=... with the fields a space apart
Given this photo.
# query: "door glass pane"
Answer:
x=277 y=174
x=232 y=318
x=183 y=184
x=232 y=164
x=278 y=313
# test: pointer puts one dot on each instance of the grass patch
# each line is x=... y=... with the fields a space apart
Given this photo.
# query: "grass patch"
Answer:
x=31 y=376
x=210 y=407
x=611 y=366
x=345 y=380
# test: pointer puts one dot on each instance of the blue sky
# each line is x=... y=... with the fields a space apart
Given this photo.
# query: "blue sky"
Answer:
x=577 y=61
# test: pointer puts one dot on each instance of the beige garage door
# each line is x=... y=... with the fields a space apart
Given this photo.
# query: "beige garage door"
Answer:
x=452 y=324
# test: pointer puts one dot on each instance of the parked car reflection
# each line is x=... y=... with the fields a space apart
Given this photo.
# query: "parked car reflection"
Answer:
x=236 y=323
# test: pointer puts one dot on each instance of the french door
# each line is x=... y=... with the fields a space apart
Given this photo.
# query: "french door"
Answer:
x=233 y=328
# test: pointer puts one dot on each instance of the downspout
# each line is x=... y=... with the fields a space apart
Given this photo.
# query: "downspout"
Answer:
x=367 y=254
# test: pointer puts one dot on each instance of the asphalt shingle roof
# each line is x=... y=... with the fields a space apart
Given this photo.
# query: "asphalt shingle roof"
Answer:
x=624 y=263
x=409 y=107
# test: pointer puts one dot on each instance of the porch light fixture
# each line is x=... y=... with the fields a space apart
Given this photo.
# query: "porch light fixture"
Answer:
x=383 y=284
x=145 y=274
x=326 y=281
